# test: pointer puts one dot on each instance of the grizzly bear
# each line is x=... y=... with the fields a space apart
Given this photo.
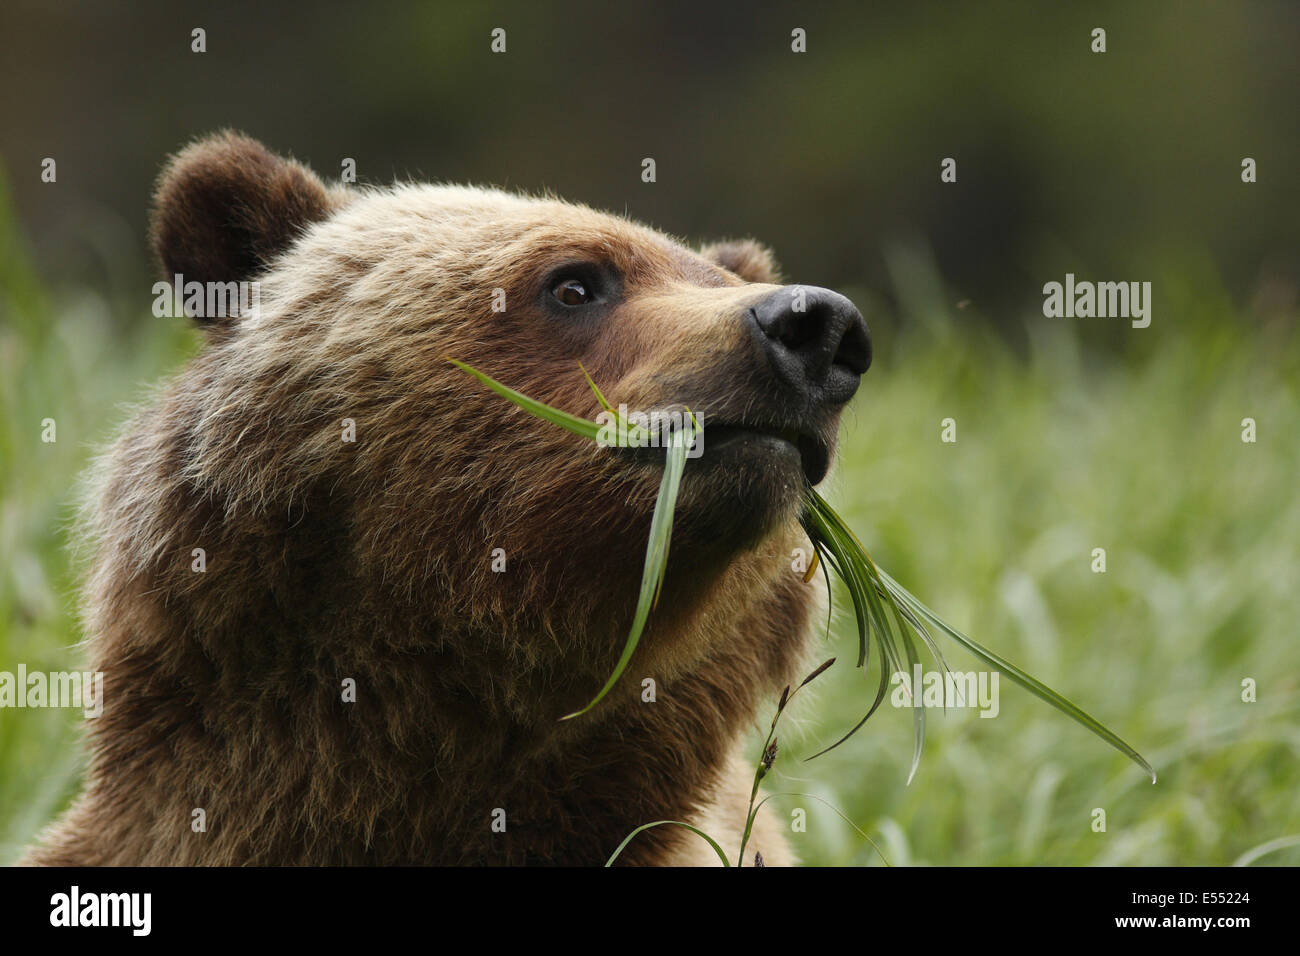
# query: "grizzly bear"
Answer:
x=342 y=595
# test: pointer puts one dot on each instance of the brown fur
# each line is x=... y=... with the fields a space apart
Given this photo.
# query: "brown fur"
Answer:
x=748 y=259
x=226 y=206
x=371 y=560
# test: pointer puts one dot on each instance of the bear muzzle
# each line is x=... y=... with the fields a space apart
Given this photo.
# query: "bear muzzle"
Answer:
x=815 y=341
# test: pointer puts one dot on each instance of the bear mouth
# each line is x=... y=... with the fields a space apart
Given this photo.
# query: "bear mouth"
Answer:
x=749 y=445
x=814 y=454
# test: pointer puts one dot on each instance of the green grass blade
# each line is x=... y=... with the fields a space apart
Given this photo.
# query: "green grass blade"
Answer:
x=656 y=561
x=600 y=396
x=840 y=813
x=579 y=426
x=853 y=564
x=918 y=711
x=661 y=525
x=880 y=696
x=1272 y=846
x=1028 y=682
x=669 y=823
x=824 y=563
x=824 y=536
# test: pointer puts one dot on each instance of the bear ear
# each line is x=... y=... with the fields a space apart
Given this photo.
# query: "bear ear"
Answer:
x=750 y=260
x=226 y=205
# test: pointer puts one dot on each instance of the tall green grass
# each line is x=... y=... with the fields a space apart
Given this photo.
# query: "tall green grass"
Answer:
x=1063 y=447
x=75 y=355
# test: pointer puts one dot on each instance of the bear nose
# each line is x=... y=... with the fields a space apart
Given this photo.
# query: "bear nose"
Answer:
x=816 y=340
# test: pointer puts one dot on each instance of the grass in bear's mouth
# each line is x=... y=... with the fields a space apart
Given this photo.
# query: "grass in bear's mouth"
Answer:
x=881 y=605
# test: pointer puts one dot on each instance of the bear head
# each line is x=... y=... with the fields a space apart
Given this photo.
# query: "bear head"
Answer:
x=332 y=452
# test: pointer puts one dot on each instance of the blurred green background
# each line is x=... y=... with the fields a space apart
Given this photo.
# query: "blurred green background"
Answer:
x=1072 y=433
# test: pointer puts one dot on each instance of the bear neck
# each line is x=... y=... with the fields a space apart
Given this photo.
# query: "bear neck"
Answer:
x=317 y=718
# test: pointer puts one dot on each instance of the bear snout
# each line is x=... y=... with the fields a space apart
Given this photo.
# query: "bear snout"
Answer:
x=816 y=342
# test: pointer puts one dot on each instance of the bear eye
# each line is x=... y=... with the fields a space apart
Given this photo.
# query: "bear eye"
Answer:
x=571 y=292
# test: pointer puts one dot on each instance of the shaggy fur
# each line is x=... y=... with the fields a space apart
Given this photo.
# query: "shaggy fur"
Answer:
x=372 y=560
